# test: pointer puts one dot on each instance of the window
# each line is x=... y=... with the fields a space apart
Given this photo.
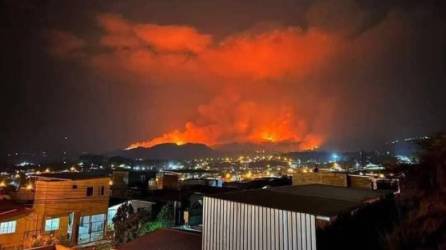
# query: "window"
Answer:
x=97 y=227
x=111 y=214
x=7 y=227
x=51 y=224
x=89 y=191
x=91 y=228
x=84 y=230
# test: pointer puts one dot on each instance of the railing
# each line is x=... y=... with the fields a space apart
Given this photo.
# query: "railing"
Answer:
x=39 y=238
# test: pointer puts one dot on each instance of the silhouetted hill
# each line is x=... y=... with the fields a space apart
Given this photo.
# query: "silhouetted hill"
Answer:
x=172 y=151
x=169 y=151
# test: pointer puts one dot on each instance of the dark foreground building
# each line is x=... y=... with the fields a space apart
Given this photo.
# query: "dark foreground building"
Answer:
x=278 y=218
x=165 y=239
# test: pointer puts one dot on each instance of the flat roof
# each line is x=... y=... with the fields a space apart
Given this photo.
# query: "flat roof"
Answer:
x=113 y=201
x=314 y=199
x=10 y=209
x=165 y=239
x=70 y=176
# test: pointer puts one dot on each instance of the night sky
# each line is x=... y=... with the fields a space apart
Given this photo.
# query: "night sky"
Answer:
x=99 y=75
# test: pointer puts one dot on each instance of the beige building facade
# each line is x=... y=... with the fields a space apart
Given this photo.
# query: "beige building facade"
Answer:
x=68 y=209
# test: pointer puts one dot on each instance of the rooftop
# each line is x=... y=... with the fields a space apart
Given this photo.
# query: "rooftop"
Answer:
x=70 y=176
x=10 y=209
x=314 y=199
x=165 y=239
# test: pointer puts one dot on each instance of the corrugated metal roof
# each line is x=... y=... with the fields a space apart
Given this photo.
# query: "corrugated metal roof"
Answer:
x=312 y=199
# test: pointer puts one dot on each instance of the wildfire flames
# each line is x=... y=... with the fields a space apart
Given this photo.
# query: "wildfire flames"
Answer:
x=230 y=119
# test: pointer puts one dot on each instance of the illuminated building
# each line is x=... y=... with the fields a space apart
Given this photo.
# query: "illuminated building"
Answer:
x=14 y=222
x=68 y=208
x=77 y=203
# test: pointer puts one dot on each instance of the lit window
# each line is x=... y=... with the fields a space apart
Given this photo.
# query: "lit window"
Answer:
x=91 y=228
x=7 y=227
x=51 y=224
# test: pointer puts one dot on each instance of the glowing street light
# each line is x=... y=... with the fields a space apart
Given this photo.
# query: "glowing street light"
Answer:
x=249 y=175
x=335 y=157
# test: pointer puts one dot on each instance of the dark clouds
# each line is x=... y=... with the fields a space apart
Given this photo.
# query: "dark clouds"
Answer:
x=388 y=79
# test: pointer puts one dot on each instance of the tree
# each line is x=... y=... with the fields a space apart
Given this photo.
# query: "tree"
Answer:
x=127 y=223
x=165 y=218
x=433 y=165
x=422 y=205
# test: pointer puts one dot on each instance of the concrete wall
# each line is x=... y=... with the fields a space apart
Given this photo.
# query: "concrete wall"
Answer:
x=233 y=225
x=120 y=180
x=168 y=181
x=356 y=181
x=334 y=179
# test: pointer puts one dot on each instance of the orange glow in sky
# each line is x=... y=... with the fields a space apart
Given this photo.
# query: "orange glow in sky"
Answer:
x=238 y=69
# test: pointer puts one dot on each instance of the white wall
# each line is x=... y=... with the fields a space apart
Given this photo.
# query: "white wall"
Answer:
x=233 y=225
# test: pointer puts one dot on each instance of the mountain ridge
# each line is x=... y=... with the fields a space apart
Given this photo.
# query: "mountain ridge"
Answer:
x=167 y=151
